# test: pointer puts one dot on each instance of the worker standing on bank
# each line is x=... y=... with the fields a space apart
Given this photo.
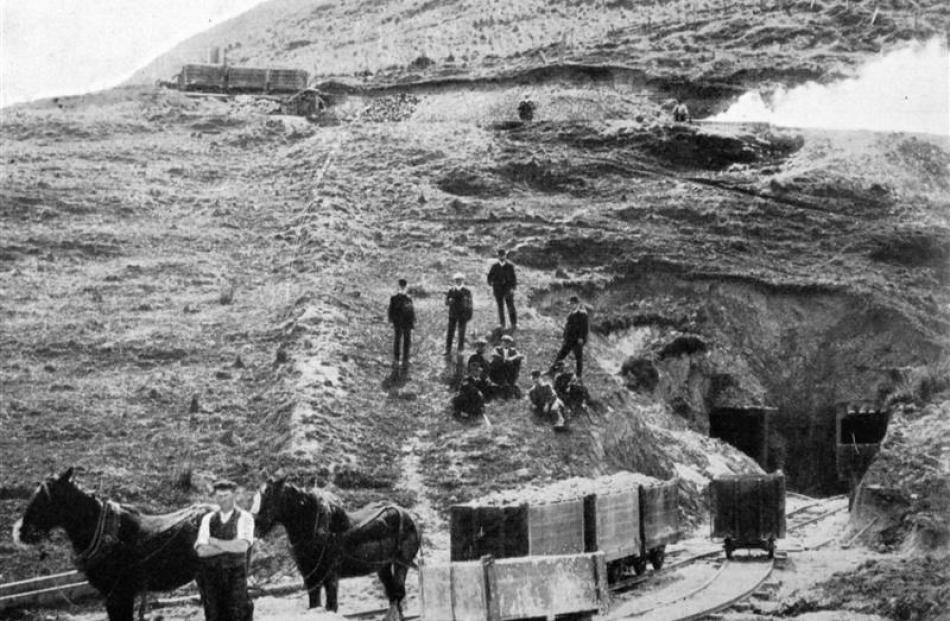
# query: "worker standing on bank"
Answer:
x=501 y=277
x=576 y=332
x=458 y=299
x=681 y=113
x=403 y=317
x=224 y=541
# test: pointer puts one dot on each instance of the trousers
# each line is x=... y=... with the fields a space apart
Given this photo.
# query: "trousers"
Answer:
x=402 y=343
x=455 y=323
x=506 y=299
x=577 y=349
x=223 y=588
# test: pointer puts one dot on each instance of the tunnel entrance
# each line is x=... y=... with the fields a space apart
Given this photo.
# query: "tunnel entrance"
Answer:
x=744 y=427
x=859 y=431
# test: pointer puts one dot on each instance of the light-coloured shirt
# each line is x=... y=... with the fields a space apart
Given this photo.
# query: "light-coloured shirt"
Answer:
x=245 y=526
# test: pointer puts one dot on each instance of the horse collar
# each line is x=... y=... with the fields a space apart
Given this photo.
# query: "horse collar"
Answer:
x=105 y=535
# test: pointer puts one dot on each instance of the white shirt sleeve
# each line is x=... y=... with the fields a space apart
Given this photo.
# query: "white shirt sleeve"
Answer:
x=204 y=531
x=245 y=527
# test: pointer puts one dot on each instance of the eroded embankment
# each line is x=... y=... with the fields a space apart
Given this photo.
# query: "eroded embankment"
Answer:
x=717 y=349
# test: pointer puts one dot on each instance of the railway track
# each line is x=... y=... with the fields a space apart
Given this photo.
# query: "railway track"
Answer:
x=709 y=583
x=722 y=583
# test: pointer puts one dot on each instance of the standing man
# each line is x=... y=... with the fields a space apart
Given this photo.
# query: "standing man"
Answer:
x=403 y=318
x=459 y=300
x=576 y=331
x=501 y=277
x=224 y=542
x=681 y=113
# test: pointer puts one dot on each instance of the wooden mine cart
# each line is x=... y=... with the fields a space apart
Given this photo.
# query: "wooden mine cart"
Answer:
x=206 y=78
x=629 y=526
x=286 y=80
x=659 y=520
x=247 y=80
x=859 y=430
x=748 y=511
x=547 y=587
x=517 y=530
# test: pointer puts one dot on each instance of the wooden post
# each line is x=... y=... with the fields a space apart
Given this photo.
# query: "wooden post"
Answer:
x=600 y=577
x=492 y=606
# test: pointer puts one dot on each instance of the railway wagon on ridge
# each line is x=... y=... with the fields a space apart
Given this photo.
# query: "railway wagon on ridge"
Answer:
x=630 y=518
x=229 y=79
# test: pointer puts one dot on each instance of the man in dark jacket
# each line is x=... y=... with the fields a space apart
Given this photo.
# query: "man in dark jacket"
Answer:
x=576 y=331
x=403 y=317
x=505 y=367
x=501 y=277
x=459 y=301
x=478 y=368
x=469 y=400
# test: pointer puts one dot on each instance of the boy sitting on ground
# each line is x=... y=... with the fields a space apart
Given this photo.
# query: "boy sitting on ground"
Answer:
x=569 y=388
x=469 y=400
x=544 y=401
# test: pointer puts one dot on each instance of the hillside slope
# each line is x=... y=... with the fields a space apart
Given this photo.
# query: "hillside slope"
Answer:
x=197 y=287
x=697 y=49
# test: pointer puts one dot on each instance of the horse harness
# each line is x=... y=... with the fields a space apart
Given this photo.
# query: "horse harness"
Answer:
x=334 y=541
x=104 y=539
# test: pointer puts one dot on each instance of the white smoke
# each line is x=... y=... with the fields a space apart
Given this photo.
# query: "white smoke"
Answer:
x=907 y=90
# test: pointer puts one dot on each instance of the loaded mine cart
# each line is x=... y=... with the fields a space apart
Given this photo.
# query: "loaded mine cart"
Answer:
x=859 y=429
x=748 y=511
x=627 y=517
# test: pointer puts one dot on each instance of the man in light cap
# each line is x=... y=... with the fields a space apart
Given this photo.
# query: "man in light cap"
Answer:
x=576 y=331
x=506 y=366
x=459 y=301
x=223 y=545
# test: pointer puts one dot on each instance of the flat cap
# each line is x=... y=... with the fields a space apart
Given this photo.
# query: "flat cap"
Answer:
x=224 y=484
x=458 y=276
x=508 y=338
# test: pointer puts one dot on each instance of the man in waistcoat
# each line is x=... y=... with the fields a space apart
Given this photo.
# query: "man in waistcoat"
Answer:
x=223 y=546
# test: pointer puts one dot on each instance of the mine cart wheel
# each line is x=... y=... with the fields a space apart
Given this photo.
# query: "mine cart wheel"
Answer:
x=770 y=547
x=614 y=572
x=729 y=547
x=657 y=556
x=640 y=565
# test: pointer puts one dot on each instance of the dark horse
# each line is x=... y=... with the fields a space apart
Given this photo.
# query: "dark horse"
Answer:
x=329 y=543
x=121 y=551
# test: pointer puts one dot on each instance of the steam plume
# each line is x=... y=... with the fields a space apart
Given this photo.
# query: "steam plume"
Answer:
x=907 y=90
